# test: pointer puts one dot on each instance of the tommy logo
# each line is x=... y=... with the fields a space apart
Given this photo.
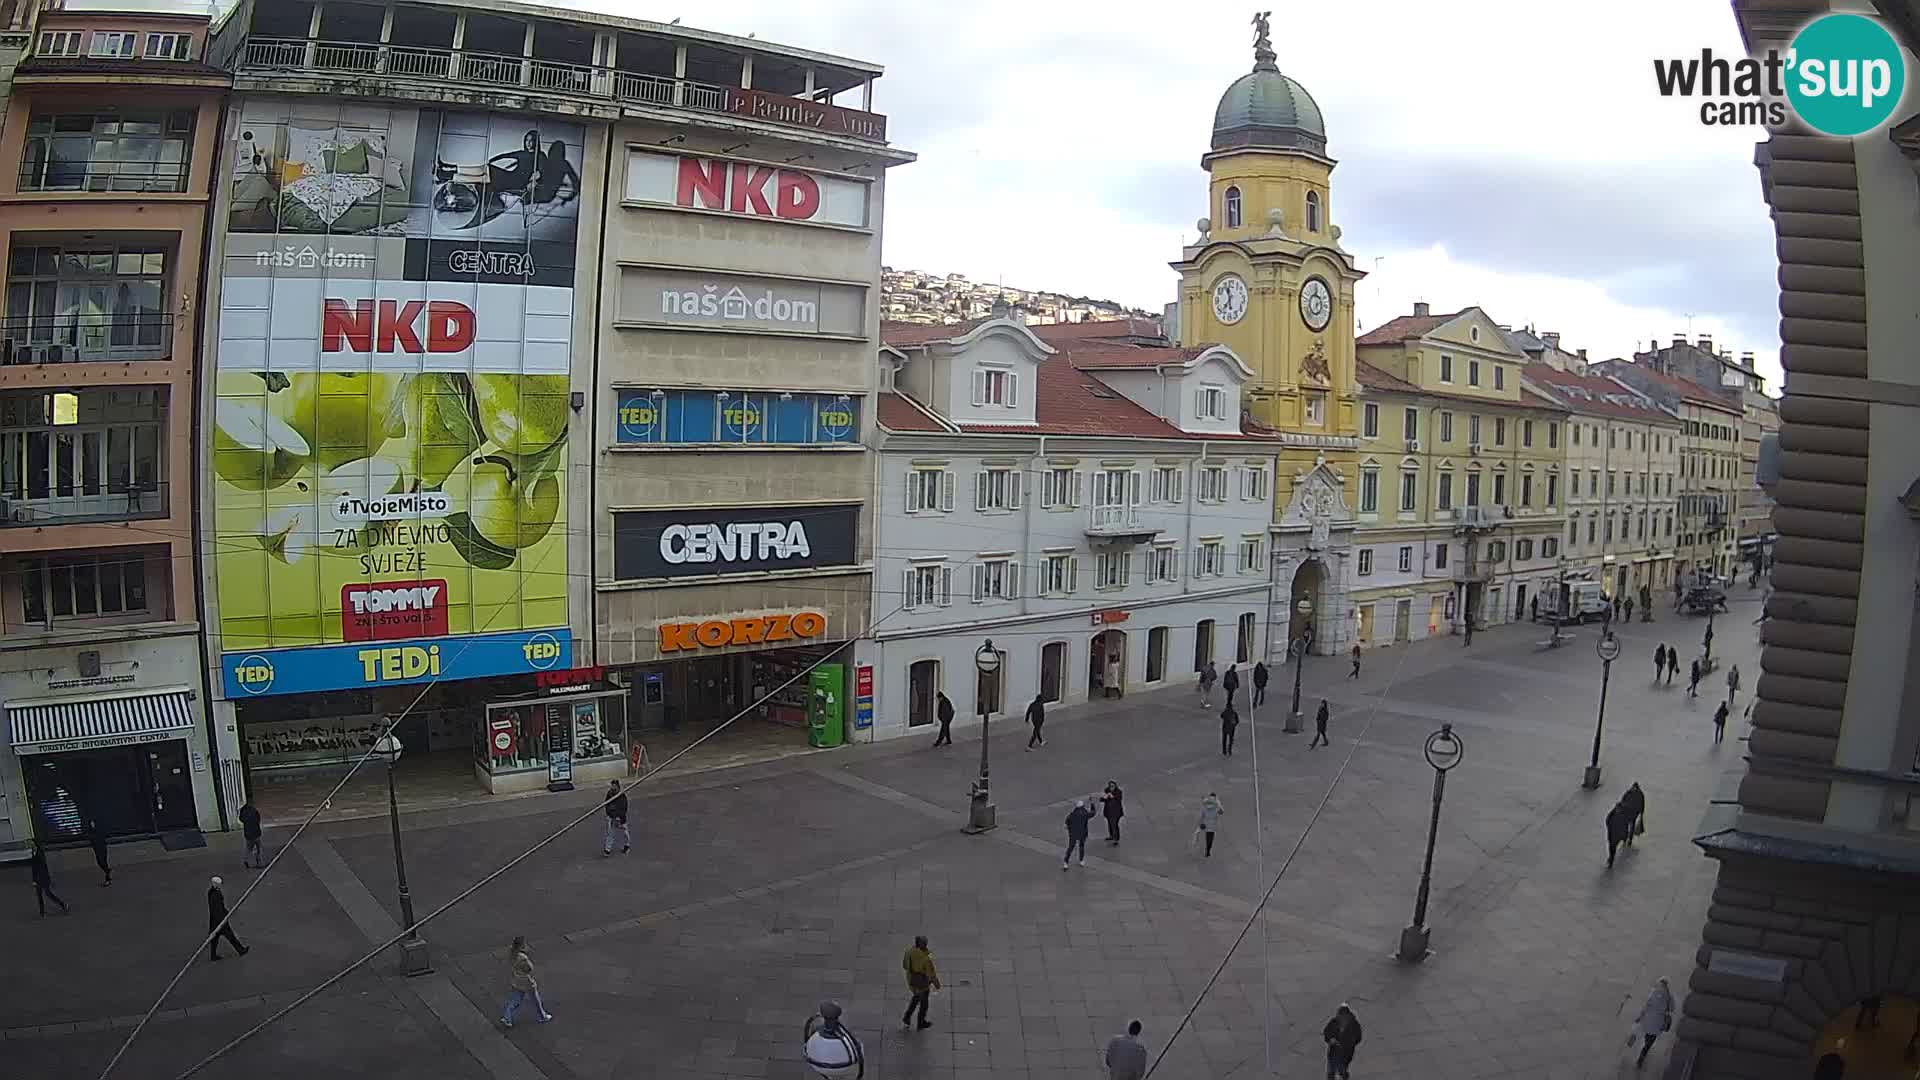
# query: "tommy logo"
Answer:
x=391 y=610
x=392 y=326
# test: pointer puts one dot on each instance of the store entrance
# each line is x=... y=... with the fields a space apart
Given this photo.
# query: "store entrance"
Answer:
x=123 y=790
x=771 y=694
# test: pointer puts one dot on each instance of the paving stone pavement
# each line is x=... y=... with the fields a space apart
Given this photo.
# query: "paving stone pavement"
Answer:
x=752 y=893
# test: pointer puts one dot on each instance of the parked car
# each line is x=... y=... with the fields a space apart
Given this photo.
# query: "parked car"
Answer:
x=1701 y=599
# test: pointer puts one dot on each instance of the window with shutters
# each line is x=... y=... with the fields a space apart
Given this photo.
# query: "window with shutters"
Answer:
x=1526 y=489
x=1370 y=420
x=995 y=577
x=996 y=386
x=1496 y=551
x=1369 y=491
x=1473 y=489
x=1406 y=558
x=1213 y=484
x=1410 y=419
x=1059 y=489
x=1473 y=372
x=929 y=491
x=1439 y=556
x=1251 y=551
x=1210 y=403
x=1610 y=475
x=996 y=489
x=928 y=585
x=1499 y=489
x=1573 y=534
x=1446 y=427
x=1366 y=562
x=1167 y=484
x=1526 y=433
x=1210 y=559
x=1112 y=570
x=1549 y=547
x=1443 y=490
x=1499 y=377
x=1253 y=482
x=1058 y=575
x=1553 y=489
x=1523 y=549
x=1553 y=436
x=1473 y=429
x=1163 y=563
x=1446 y=368
x=1499 y=431
x=1409 y=491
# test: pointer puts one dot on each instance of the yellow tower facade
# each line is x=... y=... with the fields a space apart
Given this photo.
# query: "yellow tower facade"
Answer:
x=1269 y=279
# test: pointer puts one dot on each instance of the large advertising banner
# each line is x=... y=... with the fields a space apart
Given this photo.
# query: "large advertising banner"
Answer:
x=389 y=449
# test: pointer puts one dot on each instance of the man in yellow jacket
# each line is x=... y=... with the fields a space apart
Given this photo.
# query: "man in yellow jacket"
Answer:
x=922 y=981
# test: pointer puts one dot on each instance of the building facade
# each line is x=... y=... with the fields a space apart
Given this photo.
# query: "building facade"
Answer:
x=1816 y=909
x=112 y=125
x=1459 y=504
x=1097 y=510
x=499 y=294
x=1621 y=491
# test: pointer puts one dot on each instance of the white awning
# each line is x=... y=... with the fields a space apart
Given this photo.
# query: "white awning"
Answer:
x=52 y=725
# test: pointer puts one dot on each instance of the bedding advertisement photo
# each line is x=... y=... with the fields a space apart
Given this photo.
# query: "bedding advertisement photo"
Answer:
x=390 y=440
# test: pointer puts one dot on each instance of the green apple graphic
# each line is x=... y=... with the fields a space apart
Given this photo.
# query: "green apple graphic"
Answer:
x=253 y=449
x=439 y=419
x=522 y=414
x=344 y=416
x=503 y=505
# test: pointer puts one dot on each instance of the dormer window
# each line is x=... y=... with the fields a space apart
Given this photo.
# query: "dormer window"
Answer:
x=113 y=43
x=60 y=43
x=1233 y=208
x=1313 y=211
x=996 y=386
x=167 y=46
x=1210 y=403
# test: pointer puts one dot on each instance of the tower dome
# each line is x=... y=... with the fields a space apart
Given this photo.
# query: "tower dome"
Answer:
x=1266 y=109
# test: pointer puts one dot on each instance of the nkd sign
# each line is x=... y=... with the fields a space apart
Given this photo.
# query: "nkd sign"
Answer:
x=660 y=297
x=746 y=188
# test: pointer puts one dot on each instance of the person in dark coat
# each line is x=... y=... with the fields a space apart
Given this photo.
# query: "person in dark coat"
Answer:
x=616 y=811
x=943 y=710
x=1673 y=664
x=1635 y=801
x=1720 y=722
x=1342 y=1036
x=1320 y=726
x=1619 y=828
x=1230 y=682
x=1077 y=819
x=43 y=882
x=1259 y=683
x=1355 y=673
x=1229 y=720
x=217 y=924
x=250 y=828
x=1659 y=663
x=1036 y=716
x=1693 y=679
x=1112 y=806
x=1626 y=609
x=97 y=840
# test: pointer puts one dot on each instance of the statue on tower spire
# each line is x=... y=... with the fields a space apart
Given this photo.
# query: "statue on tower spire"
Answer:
x=1263 y=54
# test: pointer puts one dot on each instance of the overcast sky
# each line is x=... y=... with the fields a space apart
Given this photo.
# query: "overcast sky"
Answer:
x=1505 y=153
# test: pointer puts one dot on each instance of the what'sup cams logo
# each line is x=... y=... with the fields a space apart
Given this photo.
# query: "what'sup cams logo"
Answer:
x=1843 y=75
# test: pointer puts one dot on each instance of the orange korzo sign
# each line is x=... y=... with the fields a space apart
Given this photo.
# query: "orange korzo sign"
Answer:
x=753 y=630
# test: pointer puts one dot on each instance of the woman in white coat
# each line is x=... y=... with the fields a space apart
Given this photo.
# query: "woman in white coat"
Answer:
x=1656 y=1016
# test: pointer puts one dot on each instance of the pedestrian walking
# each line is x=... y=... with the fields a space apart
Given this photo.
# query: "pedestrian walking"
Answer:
x=1677 y=591
x=1656 y=1016
x=1320 y=726
x=1207 y=678
x=1673 y=664
x=1114 y=682
x=1112 y=806
x=1355 y=673
x=1342 y=1036
x=1077 y=819
x=943 y=711
x=1534 y=609
x=1259 y=684
x=1733 y=683
x=250 y=828
x=521 y=984
x=1619 y=829
x=1659 y=663
x=1635 y=801
x=1646 y=604
x=1626 y=609
x=1230 y=682
x=1037 y=717
x=43 y=881
x=219 y=922
x=1210 y=811
x=1693 y=679
x=1125 y=1057
x=616 y=821
x=1720 y=722
x=1229 y=720
x=922 y=980
x=97 y=840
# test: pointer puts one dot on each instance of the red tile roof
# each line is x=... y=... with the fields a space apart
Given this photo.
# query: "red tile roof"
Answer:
x=897 y=413
x=1403 y=328
x=908 y=333
x=1128 y=327
x=1380 y=380
x=1687 y=389
x=1096 y=356
x=1590 y=394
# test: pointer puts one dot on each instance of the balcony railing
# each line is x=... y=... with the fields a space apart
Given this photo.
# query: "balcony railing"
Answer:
x=276 y=55
x=82 y=503
x=73 y=339
x=1114 y=518
x=98 y=175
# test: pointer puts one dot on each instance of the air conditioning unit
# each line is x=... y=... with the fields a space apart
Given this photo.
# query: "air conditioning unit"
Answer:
x=1459 y=513
x=1474 y=449
x=1413 y=446
x=1506 y=511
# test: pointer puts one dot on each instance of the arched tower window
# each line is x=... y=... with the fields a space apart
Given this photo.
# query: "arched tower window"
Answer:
x=1233 y=208
x=1313 y=211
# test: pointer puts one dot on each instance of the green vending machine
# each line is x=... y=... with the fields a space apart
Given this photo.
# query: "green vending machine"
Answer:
x=826 y=705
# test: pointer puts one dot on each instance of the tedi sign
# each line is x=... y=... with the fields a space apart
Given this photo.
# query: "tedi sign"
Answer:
x=689 y=543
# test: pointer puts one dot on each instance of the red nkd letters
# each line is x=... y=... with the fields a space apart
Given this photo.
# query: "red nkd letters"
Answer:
x=739 y=188
x=390 y=325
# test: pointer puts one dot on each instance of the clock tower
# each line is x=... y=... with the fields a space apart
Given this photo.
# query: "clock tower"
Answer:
x=1269 y=279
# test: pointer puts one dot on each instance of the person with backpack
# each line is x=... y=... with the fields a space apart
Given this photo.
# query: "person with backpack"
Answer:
x=1342 y=1036
x=922 y=980
x=1210 y=811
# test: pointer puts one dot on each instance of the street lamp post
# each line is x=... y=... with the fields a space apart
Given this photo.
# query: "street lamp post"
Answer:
x=1444 y=750
x=1297 y=648
x=413 y=948
x=1609 y=649
x=986 y=661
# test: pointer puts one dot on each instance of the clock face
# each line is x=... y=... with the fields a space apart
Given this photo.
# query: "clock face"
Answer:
x=1229 y=299
x=1316 y=303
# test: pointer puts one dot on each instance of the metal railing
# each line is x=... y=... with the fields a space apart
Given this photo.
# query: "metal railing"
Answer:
x=77 y=338
x=83 y=501
x=97 y=174
x=1113 y=518
x=417 y=62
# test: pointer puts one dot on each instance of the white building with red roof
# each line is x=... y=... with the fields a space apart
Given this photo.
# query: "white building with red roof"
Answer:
x=1094 y=505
